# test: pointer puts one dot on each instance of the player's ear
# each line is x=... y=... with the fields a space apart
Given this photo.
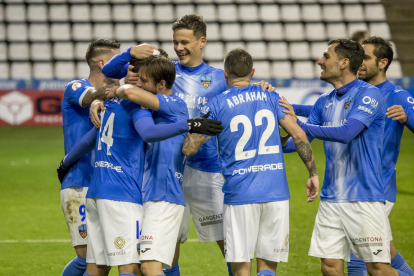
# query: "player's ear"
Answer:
x=226 y=76
x=162 y=85
x=382 y=63
x=253 y=71
x=344 y=63
x=202 y=41
x=101 y=63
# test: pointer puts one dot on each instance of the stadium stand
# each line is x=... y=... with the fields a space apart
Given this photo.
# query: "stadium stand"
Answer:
x=43 y=38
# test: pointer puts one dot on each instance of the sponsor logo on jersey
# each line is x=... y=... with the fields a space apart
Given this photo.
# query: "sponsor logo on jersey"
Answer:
x=410 y=100
x=104 y=164
x=213 y=219
x=205 y=109
x=335 y=123
x=111 y=254
x=328 y=105
x=145 y=250
x=259 y=168
x=147 y=238
x=119 y=242
x=347 y=102
x=376 y=253
x=365 y=109
x=83 y=231
x=366 y=241
x=76 y=85
x=179 y=176
x=206 y=81
x=373 y=102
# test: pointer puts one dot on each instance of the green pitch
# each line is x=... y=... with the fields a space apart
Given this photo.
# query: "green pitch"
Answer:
x=30 y=210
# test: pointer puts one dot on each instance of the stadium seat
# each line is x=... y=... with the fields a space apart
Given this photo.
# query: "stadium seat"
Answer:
x=63 y=51
x=273 y=31
x=252 y=31
x=308 y=1
x=18 y=51
x=65 y=70
x=165 y=32
x=155 y=44
x=278 y=50
x=41 y=51
x=262 y=69
x=230 y=31
x=380 y=29
x=335 y=30
x=143 y=13
x=182 y=10
x=81 y=31
x=248 y=13
x=15 y=13
x=348 y=1
x=164 y=13
x=37 y=13
x=20 y=70
x=303 y=69
x=354 y=27
x=282 y=69
x=17 y=32
x=215 y=64
x=213 y=51
x=370 y=1
x=60 y=31
x=58 y=13
x=122 y=13
x=4 y=70
x=126 y=44
x=317 y=70
x=394 y=48
x=317 y=49
x=1 y=13
x=233 y=45
x=169 y=48
x=3 y=51
x=227 y=13
x=99 y=1
x=353 y=13
x=38 y=32
x=294 y=31
x=328 y=1
x=375 y=13
x=82 y=70
x=311 y=13
x=208 y=11
x=394 y=71
x=146 y=32
x=80 y=50
x=43 y=70
x=290 y=13
x=332 y=13
x=299 y=50
x=103 y=31
x=213 y=32
x=80 y=13
x=315 y=31
x=101 y=13
x=269 y=13
x=257 y=50
x=124 y=31
x=2 y=32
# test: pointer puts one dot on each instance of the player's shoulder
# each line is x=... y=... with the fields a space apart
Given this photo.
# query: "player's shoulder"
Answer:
x=75 y=84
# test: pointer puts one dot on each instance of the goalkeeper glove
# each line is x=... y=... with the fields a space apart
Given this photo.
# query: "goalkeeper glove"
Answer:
x=205 y=126
x=62 y=171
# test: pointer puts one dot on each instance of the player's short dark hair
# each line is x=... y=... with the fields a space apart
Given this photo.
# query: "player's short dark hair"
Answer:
x=383 y=49
x=238 y=63
x=351 y=50
x=191 y=22
x=99 y=47
x=157 y=68
x=358 y=35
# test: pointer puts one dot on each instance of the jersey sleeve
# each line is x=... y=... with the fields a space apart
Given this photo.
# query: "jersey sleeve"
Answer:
x=75 y=91
x=405 y=99
x=278 y=109
x=168 y=105
x=210 y=107
x=368 y=105
x=315 y=117
x=117 y=67
x=136 y=112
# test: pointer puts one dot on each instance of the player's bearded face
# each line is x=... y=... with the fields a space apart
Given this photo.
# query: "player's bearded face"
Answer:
x=329 y=64
x=187 y=47
x=369 y=68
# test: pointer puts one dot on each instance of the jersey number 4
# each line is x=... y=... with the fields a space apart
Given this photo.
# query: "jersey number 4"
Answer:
x=240 y=154
x=106 y=133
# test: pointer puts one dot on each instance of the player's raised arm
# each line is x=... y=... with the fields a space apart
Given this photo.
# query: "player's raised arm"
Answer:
x=97 y=94
x=305 y=152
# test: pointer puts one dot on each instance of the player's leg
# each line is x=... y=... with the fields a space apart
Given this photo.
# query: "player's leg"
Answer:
x=265 y=267
x=332 y=267
x=129 y=270
x=73 y=206
x=241 y=269
x=356 y=267
x=97 y=270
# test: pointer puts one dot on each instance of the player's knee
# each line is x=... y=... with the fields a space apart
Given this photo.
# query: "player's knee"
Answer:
x=81 y=251
x=328 y=270
x=377 y=269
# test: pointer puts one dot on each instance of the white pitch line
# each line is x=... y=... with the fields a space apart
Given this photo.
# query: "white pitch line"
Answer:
x=46 y=241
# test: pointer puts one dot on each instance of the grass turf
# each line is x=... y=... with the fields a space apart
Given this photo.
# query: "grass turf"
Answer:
x=30 y=210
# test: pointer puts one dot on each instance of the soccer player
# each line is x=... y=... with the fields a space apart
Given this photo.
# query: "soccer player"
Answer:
x=350 y=120
x=256 y=193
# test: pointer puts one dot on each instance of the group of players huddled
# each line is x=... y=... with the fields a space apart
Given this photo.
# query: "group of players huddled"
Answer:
x=136 y=166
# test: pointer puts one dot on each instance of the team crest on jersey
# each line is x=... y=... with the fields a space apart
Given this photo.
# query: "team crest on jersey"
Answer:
x=206 y=81
x=83 y=231
x=76 y=85
x=347 y=102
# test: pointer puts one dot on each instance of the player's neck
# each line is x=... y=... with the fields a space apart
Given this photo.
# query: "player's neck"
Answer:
x=343 y=80
x=166 y=92
x=378 y=79
x=194 y=63
x=97 y=79
x=238 y=82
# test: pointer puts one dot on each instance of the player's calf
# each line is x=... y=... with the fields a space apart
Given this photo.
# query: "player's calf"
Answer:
x=151 y=268
x=382 y=269
x=332 y=267
x=241 y=269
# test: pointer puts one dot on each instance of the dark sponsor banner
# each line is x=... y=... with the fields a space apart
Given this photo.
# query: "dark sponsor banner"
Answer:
x=30 y=108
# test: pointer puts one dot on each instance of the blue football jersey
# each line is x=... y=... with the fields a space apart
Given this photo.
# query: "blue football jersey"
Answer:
x=76 y=123
x=250 y=152
x=164 y=160
x=196 y=85
x=120 y=153
x=353 y=171
x=393 y=95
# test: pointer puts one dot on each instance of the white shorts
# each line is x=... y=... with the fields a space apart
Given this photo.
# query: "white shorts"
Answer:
x=114 y=228
x=159 y=234
x=204 y=200
x=360 y=226
x=73 y=205
x=388 y=208
x=260 y=227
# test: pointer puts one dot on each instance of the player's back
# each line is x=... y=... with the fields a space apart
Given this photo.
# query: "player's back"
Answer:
x=249 y=146
x=119 y=151
x=76 y=124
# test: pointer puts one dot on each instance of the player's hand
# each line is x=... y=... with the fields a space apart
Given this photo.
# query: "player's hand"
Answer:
x=96 y=106
x=396 y=112
x=143 y=51
x=265 y=85
x=284 y=139
x=110 y=92
x=62 y=171
x=131 y=77
x=205 y=126
x=283 y=102
x=312 y=188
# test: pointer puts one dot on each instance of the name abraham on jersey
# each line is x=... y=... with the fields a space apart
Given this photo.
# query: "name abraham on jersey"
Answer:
x=261 y=168
x=347 y=102
x=206 y=81
x=248 y=97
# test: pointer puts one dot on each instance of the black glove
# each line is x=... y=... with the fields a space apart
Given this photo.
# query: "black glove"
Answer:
x=62 y=171
x=205 y=126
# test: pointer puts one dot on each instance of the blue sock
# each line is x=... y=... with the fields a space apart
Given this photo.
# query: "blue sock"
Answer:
x=400 y=273
x=229 y=269
x=76 y=267
x=356 y=267
x=86 y=274
x=173 y=271
x=399 y=263
x=266 y=273
x=127 y=274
